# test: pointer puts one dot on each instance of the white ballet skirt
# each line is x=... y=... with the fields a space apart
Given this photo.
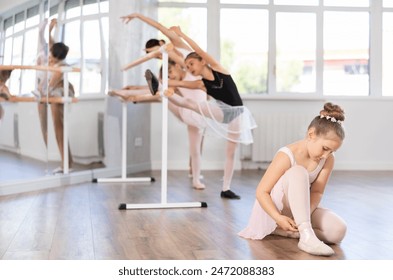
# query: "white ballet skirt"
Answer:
x=260 y=223
x=235 y=123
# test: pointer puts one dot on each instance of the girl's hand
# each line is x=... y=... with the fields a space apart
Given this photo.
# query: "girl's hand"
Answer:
x=176 y=29
x=127 y=19
x=286 y=223
x=53 y=23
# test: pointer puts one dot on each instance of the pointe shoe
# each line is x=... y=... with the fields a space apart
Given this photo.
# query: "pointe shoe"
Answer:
x=318 y=249
x=199 y=186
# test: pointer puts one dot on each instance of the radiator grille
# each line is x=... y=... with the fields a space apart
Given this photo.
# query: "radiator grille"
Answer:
x=275 y=131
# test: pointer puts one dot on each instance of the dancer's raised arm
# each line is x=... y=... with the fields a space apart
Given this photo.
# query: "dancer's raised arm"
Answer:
x=172 y=36
x=52 y=25
x=214 y=64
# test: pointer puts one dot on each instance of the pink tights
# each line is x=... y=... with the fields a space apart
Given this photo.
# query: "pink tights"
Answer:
x=326 y=225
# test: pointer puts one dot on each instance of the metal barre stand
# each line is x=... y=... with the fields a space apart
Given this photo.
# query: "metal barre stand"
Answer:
x=164 y=161
x=124 y=178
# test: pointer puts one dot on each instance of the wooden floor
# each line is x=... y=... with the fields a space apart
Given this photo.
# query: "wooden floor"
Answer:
x=83 y=221
x=15 y=167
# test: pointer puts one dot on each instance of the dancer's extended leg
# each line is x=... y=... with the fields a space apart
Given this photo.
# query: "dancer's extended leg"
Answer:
x=206 y=109
x=297 y=191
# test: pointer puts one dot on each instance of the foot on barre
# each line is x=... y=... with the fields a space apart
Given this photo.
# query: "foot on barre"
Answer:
x=152 y=81
x=169 y=92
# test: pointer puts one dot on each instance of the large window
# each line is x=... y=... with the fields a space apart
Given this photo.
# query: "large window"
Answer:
x=191 y=20
x=295 y=52
x=293 y=47
x=245 y=56
x=85 y=32
x=346 y=53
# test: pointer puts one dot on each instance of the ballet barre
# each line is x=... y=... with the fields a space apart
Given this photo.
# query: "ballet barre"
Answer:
x=125 y=97
x=44 y=99
x=154 y=54
x=65 y=100
x=130 y=96
x=41 y=68
x=164 y=142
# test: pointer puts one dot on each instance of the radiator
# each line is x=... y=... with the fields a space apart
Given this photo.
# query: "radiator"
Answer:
x=275 y=131
x=16 y=131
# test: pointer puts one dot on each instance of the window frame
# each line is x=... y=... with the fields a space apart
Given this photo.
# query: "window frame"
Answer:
x=375 y=11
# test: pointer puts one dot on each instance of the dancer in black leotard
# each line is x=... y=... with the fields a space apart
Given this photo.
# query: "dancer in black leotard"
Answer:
x=225 y=114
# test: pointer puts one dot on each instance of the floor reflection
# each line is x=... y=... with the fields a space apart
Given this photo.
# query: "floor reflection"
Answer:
x=14 y=167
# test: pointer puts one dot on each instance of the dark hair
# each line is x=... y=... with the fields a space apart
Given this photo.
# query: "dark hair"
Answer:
x=153 y=43
x=330 y=118
x=171 y=63
x=193 y=55
x=5 y=75
x=59 y=50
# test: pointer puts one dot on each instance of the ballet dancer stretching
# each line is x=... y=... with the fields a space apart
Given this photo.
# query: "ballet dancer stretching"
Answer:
x=194 y=122
x=224 y=112
x=289 y=193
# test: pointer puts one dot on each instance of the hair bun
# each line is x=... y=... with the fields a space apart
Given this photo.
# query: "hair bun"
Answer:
x=334 y=111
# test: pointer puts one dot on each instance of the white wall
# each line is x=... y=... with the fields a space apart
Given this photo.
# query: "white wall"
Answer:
x=367 y=145
x=83 y=131
x=126 y=43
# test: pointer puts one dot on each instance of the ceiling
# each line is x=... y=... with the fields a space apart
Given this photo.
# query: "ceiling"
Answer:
x=6 y=5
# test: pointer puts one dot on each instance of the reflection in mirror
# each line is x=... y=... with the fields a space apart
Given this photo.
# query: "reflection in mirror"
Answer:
x=22 y=149
x=31 y=133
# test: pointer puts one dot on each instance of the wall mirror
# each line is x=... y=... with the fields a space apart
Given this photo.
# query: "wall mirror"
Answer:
x=31 y=132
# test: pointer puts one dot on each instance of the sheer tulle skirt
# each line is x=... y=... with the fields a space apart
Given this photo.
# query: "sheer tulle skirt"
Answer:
x=234 y=123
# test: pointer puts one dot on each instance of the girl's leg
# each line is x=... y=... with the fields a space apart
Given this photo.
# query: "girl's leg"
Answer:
x=43 y=115
x=195 y=139
x=230 y=160
x=228 y=171
x=297 y=193
x=57 y=115
x=328 y=226
x=174 y=110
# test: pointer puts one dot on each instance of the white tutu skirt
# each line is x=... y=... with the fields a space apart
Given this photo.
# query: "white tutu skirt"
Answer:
x=260 y=223
x=234 y=123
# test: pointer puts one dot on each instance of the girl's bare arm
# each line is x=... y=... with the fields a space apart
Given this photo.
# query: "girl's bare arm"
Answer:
x=207 y=57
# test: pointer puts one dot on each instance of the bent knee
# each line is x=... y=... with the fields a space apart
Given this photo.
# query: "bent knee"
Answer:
x=332 y=230
x=298 y=170
x=297 y=175
x=336 y=234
